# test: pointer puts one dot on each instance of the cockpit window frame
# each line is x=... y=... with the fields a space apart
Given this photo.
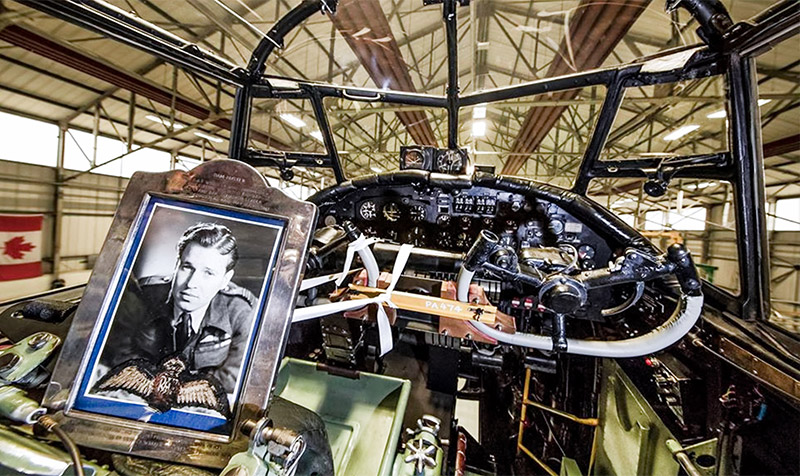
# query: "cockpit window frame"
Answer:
x=727 y=52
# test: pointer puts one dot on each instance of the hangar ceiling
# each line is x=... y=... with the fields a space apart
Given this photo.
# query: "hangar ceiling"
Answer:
x=55 y=71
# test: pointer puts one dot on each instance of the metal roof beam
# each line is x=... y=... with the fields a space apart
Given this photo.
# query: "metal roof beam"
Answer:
x=31 y=41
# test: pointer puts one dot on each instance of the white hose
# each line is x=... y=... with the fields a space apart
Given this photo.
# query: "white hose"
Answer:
x=370 y=265
x=463 y=281
x=678 y=325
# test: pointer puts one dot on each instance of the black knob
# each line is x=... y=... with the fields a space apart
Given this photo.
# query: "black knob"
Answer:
x=287 y=174
x=562 y=298
x=655 y=187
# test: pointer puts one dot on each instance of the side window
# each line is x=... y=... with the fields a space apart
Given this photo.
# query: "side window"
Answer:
x=672 y=120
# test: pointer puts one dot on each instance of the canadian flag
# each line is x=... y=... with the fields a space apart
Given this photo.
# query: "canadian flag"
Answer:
x=20 y=246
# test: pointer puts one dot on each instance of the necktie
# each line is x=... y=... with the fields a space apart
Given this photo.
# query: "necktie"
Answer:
x=183 y=331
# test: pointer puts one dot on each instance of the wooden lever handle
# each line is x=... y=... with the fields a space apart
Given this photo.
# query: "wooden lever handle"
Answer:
x=485 y=313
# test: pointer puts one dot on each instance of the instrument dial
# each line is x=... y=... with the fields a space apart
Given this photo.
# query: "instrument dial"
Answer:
x=417 y=236
x=462 y=241
x=507 y=240
x=368 y=211
x=556 y=226
x=445 y=240
x=413 y=159
x=585 y=252
x=417 y=213
x=391 y=212
x=449 y=161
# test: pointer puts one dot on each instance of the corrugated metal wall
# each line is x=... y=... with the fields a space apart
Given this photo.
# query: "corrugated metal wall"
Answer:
x=89 y=203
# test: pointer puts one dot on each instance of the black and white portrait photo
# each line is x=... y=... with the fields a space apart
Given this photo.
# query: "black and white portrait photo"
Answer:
x=179 y=327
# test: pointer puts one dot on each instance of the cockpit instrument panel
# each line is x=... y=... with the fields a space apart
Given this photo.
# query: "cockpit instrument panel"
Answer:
x=450 y=220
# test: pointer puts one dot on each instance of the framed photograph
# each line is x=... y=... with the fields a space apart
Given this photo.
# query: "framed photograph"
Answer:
x=160 y=354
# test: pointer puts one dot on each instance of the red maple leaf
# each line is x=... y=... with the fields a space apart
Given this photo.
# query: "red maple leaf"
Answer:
x=17 y=247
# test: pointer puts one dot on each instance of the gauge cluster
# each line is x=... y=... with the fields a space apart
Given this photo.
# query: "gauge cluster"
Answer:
x=450 y=220
x=432 y=159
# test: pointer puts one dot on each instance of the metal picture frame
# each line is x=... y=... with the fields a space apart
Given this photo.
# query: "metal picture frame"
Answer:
x=157 y=211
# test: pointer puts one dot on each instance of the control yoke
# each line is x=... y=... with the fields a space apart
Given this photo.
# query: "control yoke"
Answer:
x=562 y=293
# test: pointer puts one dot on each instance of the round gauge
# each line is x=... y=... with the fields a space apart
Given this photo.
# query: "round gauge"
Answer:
x=445 y=240
x=507 y=240
x=443 y=219
x=556 y=226
x=465 y=222
x=330 y=220
x=585 y=252
x=391 y=211
x=462 y=241
x=413 y=159
x=417 y=213
x=417 y=236
x=449 y=161
x=367 y=210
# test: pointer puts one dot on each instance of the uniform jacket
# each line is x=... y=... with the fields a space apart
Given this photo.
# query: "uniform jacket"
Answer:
x=142 y=328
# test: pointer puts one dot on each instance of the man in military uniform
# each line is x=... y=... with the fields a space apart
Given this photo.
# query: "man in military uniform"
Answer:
x=197 y=311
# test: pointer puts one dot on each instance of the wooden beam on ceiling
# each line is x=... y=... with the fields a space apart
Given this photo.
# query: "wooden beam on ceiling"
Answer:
x=364 y=26
x=782 y=146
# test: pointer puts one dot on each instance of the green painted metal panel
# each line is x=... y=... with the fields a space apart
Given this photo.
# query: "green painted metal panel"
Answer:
x=363 y=416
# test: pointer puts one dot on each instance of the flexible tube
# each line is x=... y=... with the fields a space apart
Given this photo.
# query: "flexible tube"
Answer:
x=370 y=265
x=49 y=424
x=463 y=281
x=678 y=325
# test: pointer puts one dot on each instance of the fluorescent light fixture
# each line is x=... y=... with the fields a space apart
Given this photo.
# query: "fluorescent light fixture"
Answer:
x=681 y=131
x=293 y=120
x=208 y=136
x=377 y=170
x=704 y=185
x=479 y=112
x=317 y=135
x=622 y=202
x=166 y=122
x=658 y=154
x=478 y=128
x=721 y=113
